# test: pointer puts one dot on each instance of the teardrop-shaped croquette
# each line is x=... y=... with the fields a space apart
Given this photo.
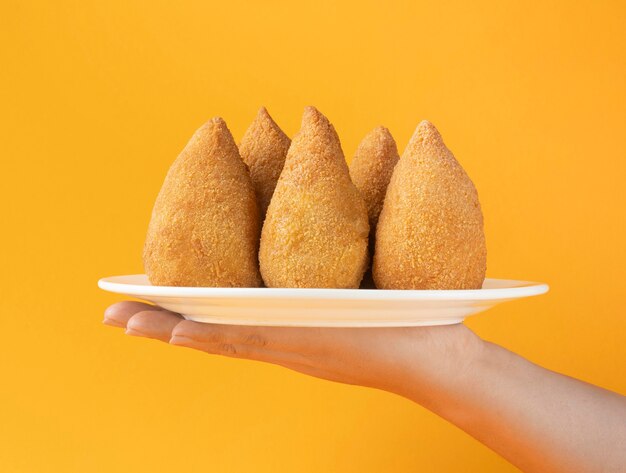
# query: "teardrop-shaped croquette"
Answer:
x=430 y=232
x=316 y=229
x=263 y=148
x=371 y=170
x=205 y=224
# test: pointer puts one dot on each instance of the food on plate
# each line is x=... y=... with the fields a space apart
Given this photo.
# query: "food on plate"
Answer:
x=371 y=169
x=420 y=214
x=204 y=229
x=263 y=148
x=316 y=229
x=430 y=231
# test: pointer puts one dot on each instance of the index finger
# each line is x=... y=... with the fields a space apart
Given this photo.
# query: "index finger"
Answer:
x=295 y=339
x=118 y=314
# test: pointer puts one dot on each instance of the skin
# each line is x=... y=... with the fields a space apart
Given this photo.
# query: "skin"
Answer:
x=539 y=420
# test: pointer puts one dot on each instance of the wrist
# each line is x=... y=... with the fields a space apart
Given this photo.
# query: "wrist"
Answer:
x=442 y=366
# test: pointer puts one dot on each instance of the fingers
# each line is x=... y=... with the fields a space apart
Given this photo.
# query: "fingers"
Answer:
x=157 y=324
x=235 y=351
x=292 y=339
x=222 y=342
x=185 y=334
x=286 y=347
x=118 y=314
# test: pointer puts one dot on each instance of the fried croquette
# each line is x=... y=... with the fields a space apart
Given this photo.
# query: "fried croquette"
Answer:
x=371 y=170
x=316 y=229
x=205 y=224
x=430 y=232
x=263 y=148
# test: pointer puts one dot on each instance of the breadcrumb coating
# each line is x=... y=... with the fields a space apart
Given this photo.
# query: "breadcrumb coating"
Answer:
x=371 y=170
x=205 y=224
x=430 y=232
x=316 y=229
x=263 y=148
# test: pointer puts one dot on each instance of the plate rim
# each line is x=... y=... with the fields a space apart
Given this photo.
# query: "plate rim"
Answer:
x=522 y=289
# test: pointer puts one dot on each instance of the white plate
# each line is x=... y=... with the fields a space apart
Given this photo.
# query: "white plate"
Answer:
x=323 y=307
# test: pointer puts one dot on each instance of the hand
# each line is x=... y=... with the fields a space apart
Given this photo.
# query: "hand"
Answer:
x=412 y=362
x=537 y=419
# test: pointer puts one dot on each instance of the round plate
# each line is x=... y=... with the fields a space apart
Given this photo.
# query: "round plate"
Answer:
x=323 y=307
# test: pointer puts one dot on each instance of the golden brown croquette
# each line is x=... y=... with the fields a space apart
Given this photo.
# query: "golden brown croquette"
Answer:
x=263 y=148
x=371 y=170
x=430 y=231
x=316 y=229
x=205 y=224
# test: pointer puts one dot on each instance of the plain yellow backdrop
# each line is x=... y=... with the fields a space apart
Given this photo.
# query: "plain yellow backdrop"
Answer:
x=97 y=99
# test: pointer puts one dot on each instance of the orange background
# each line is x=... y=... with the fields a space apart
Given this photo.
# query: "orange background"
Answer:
x=99 y=97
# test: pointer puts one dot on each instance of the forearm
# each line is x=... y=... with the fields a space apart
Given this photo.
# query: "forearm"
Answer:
x=539 y=420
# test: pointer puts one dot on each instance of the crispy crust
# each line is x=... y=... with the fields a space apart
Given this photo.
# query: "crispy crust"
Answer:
x=263 y=148
x=430 y=231
x=205 y=225
x=316 y=229
x=371 y=170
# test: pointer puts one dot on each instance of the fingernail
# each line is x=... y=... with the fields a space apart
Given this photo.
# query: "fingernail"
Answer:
x=112 y=323
x=176 y=340
x=135 y=333
x=181 y=340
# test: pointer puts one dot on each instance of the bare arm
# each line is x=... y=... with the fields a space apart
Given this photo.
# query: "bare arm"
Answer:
x=538 y=420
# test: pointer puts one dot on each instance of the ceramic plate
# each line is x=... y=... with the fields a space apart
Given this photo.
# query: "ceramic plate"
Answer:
x=323 y=307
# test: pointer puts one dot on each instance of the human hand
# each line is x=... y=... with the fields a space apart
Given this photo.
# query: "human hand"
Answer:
x=416 y=362
x=537 y=419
